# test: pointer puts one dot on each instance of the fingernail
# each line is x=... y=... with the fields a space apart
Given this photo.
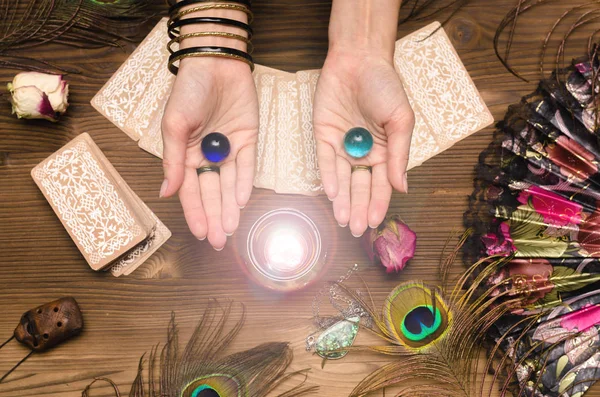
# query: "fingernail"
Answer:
x=242 y=207
x=405 y=183
x=330 y=199
x=201 y=239
x=342 y=225
x=229 y=234
x=163 y=188
x=360 y=235
x=219 y=249
x=373 y=227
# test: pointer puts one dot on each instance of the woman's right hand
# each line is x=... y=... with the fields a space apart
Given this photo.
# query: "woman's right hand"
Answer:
x=210 y=95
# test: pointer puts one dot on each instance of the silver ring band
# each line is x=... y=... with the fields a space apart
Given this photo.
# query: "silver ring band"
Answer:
x=208 y=168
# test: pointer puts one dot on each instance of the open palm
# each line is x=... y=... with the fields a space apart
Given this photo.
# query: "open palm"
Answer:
x=361 y=91
x=211 y=95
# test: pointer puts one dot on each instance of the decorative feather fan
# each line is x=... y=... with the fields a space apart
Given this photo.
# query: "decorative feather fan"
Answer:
x=536 y=204
x=202 y=369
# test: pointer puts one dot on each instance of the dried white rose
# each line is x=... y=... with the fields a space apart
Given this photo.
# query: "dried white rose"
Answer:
x=39 y=95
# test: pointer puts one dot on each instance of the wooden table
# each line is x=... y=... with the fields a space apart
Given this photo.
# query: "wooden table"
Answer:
x=125 y=317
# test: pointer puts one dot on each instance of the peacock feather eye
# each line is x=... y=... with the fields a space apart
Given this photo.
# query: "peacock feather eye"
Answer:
x=416 y=316
x=214 y=385
x=205 y=391
x=421 y=322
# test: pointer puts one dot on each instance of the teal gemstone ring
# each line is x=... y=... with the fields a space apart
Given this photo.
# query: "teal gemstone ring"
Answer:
x=358 y=142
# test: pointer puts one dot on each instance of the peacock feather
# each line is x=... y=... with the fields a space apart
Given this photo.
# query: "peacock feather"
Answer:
x=203 y=370
x=436 y=332
x=438 y=335
x=78 y=23
x=415 y=316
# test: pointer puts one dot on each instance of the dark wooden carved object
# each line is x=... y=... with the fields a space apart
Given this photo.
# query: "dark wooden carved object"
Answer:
x=47 y=326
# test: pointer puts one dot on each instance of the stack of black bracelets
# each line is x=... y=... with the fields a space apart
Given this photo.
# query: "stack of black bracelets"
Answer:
x=181 y=15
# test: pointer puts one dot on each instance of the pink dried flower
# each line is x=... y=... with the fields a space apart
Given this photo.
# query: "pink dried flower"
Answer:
x=39 y=95
x=392 y=244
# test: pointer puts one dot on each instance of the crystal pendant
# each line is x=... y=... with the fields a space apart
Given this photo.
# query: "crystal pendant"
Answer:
x=215 y=147
x=358 y=142
x=339 y=335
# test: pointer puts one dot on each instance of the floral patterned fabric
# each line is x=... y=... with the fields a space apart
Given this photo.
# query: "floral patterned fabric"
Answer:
x=537 y=204
x=565 y=346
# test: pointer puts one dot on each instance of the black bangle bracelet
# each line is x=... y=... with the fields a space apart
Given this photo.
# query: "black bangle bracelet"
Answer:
x=177 y=6
x=179 y=39
x=199 y=20
x=222 y=52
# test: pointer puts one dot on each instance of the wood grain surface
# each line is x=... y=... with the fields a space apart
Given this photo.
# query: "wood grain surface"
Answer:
x=125 y=317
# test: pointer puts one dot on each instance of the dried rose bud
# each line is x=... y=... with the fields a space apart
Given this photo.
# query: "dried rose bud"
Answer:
x=39 y=95
x=392 y=244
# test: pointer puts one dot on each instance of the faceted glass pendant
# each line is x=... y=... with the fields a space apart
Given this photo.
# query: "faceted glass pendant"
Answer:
x=339 y=335
x=215 y=147
x=358 y=142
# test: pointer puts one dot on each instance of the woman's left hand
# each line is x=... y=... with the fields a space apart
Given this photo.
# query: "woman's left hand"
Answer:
x=361 y=90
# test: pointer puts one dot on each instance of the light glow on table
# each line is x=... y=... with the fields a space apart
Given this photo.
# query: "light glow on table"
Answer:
x=284 y=250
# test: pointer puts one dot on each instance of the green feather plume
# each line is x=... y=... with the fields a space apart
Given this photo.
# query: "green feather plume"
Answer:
x=203 y=370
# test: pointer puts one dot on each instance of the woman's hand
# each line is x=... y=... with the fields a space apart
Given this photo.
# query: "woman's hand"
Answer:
x=361 y=89
x=210 y=95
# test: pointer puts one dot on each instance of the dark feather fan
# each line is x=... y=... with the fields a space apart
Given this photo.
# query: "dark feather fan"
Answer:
x=203 y=370
x=536 y=204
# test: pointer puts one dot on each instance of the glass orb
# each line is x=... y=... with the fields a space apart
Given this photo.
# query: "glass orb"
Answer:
x=358 y=142
x=215 y=147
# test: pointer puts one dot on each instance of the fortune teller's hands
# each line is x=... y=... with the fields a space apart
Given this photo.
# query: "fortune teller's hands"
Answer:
x=210 y=95
x=361 y=90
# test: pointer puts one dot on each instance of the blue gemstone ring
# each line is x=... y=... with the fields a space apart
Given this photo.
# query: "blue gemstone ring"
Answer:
x=358 y=142
x=215 y=147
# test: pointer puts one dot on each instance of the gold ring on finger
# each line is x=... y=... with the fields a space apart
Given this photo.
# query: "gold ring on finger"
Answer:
x=361 y=168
